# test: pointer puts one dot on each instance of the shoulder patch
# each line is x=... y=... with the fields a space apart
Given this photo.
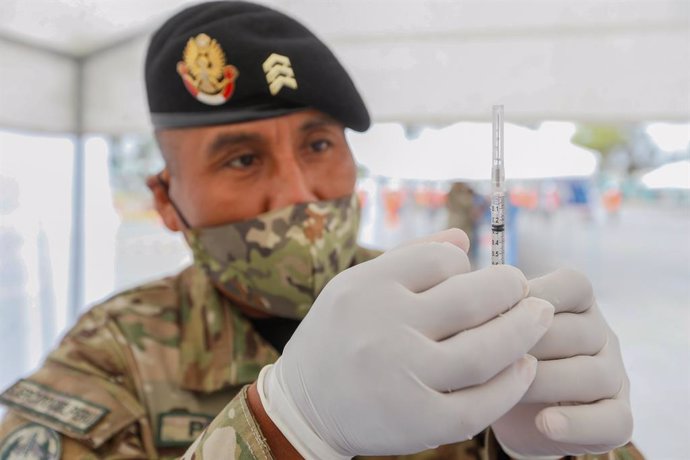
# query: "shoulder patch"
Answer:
x=180 y=428
x=77 y=405
x=67 y=410
x=31 y=442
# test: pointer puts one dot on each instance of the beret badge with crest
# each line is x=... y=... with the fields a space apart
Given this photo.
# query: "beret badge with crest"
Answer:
x=204 y=71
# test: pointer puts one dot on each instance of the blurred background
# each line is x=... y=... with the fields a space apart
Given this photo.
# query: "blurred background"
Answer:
x=597 y=146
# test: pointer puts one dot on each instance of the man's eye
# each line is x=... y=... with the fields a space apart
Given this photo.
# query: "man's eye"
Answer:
x=242 y=161
x=320 y=146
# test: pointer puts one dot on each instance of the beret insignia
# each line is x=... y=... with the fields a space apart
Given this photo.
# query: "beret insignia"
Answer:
x=204 y=71
x=279 y=73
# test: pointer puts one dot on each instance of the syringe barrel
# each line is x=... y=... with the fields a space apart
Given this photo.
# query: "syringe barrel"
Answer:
x=497 y=178
x=498 y=190
x=497 y=168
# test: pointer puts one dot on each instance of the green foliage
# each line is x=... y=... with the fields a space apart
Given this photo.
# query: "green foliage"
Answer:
x=600 y=137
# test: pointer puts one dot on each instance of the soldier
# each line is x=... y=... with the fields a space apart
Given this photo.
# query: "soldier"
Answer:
x=461 y=210
x=386 y=355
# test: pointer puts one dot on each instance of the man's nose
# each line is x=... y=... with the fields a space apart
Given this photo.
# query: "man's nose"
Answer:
x=289 y=186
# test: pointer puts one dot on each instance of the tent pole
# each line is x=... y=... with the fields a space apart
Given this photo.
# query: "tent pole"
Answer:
x=76 y=279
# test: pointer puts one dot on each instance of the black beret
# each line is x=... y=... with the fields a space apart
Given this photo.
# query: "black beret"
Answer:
x=231 y=61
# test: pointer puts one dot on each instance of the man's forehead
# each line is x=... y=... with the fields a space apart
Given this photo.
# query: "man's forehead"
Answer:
x=212 y=139
x=302 y=120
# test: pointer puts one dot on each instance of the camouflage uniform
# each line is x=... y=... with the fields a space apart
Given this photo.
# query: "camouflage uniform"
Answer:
x=142 y=375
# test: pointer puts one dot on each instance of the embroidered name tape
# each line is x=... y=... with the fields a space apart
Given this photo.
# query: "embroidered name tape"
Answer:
x=46 y=403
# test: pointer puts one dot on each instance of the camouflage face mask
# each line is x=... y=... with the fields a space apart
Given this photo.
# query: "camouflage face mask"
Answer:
x=280 y=261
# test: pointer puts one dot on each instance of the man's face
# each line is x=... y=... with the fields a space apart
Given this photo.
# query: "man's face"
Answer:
x=226 y=173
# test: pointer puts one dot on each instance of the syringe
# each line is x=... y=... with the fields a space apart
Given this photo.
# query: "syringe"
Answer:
x=497 y=190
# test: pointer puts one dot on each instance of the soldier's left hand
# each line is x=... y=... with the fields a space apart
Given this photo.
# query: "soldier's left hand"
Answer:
x=579 y=401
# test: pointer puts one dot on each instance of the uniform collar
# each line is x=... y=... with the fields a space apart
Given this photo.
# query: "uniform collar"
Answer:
x=218 y=346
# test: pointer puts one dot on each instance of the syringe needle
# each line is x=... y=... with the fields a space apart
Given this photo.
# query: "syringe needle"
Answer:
x=497 y=190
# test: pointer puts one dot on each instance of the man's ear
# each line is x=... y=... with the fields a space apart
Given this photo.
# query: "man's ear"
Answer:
x=161 y=201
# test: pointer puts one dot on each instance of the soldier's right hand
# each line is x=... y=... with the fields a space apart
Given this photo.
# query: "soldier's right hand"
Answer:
x=406 y=352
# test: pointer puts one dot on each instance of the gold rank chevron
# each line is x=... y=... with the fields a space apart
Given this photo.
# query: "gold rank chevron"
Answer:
x=279 y=73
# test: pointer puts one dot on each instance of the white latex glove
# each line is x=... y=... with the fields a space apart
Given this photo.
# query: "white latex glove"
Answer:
x=404 y=353
x=579 y=401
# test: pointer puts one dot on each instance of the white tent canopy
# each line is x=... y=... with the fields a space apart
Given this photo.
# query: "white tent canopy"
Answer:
x=77 y=66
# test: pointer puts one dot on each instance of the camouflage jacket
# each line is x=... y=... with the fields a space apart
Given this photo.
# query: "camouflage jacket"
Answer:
x=150 y=372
